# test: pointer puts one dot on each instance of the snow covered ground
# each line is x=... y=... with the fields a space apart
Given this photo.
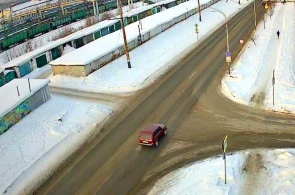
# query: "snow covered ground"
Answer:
x=148 y=64
x=257 y=171
x=55 y=124
x=251 y=78
x=252 y=72
x=52 y=134
x=59 y=125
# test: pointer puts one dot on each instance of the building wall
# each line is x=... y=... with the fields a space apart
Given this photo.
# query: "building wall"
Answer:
x=77 y=71
x=23 y=109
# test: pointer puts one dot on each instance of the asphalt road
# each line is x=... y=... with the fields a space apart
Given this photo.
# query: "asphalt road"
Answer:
x=189 y=101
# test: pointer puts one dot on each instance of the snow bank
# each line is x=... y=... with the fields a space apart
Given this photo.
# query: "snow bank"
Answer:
x=248 y=172
x=53 y=131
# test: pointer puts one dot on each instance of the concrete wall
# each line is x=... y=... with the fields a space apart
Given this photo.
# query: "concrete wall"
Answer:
x=78 y=71
x=24 y=108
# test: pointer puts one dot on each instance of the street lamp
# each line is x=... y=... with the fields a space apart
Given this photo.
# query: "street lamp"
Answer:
x=227 y=43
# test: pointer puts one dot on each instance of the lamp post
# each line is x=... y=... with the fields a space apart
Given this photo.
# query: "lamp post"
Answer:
x=227 y=43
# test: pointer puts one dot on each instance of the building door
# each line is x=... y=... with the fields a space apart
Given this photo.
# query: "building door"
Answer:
x=41 y=61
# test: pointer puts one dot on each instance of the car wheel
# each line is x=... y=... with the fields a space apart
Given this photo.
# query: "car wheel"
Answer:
x=157 y=143
x=165 y=132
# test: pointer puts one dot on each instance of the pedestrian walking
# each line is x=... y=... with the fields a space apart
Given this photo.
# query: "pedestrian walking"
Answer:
x=278 y=33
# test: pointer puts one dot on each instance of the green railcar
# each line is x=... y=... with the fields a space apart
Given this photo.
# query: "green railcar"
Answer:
x=79 y=14
x=110 y=5
x=39 y=28
x=15 y=38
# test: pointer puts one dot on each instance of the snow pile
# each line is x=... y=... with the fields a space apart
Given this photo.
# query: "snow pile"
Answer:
x=44 y=130
x=154 y=57
x=68 y=49
x=248 y=172
x=251 y=78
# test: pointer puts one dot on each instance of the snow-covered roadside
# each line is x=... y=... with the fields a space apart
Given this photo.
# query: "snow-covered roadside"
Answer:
x=53 y=130
x=154 y=57
x=251 y=78
x=248 y=172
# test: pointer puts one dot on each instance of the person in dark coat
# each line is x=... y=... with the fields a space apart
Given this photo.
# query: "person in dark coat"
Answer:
x=278 y=33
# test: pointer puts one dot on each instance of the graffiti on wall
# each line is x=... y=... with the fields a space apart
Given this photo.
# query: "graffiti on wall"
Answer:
x=14 y=116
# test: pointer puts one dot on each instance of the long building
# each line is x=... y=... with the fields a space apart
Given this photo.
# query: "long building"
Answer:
x=20 y=97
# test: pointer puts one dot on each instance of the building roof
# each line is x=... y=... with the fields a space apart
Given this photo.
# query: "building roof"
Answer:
x=150 y=129
x=9 y=96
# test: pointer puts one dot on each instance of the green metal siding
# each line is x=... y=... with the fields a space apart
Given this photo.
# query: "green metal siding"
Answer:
x=118 y=25
x=25 y=69
x=104 y=31
x=9 y=76
x=134 y=18
x=41 y=61
x=97 y=35
x=2 y=81
x=56 y=53
x=79 y=42
x=111 y=28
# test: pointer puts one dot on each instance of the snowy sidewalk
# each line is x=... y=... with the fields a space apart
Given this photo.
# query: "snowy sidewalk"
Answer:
x=251 y=78
x=271 y=56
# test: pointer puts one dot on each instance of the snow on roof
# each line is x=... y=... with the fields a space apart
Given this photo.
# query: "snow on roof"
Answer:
x=90 y=52
x=68 y=49
x=9 y=97
x=7 y=71
x=1 y=70
x=84 y=32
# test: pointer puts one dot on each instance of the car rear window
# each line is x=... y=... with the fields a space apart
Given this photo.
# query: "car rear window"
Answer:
x=145 y=136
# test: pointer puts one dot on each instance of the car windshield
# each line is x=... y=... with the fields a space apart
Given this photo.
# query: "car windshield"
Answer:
x=145 y=136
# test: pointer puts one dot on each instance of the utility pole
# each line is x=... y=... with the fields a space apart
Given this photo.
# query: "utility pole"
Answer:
x=124 y=34
x=273 y=87
x=255 y=15
x=200 y=18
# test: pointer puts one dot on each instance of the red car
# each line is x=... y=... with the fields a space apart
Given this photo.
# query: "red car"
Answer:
x=151 y=135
